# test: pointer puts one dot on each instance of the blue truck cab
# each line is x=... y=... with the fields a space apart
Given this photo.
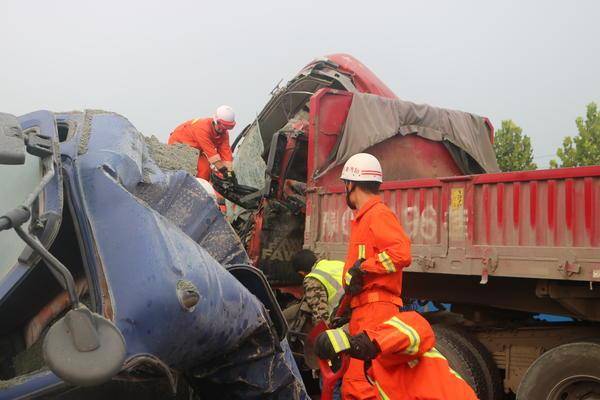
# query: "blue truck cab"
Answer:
x=120 y=280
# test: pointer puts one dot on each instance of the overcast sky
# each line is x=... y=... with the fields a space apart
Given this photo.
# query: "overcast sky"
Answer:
x=160 y=63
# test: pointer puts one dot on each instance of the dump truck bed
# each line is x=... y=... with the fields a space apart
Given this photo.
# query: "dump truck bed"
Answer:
x=536 y=224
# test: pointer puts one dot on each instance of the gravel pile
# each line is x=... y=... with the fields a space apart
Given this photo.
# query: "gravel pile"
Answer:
x=173 y=157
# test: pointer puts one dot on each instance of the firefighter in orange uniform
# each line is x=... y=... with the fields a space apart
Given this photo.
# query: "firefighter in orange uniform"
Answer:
x=211 y=137
x=378 y=251
x=402 y=361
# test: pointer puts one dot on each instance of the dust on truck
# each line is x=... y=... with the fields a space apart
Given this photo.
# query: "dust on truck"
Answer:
x=493 y=252
x=122 y=280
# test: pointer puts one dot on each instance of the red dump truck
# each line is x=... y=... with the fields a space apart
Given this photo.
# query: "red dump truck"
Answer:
x=492 y=252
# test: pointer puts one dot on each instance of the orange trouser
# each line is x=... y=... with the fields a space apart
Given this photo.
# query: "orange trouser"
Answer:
x=355 y=385
x=203 y=168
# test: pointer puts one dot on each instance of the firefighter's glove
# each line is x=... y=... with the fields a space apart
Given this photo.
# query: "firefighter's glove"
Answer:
x=338 y=322
x=356 y=280
x=330 y=343
x=363 y=348
x=230 y=176
x=339 y=319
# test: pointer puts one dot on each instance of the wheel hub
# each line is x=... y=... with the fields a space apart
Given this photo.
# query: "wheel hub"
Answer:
x=577 y=388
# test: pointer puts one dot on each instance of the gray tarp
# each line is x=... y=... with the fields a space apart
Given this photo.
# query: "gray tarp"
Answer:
x=373 y=119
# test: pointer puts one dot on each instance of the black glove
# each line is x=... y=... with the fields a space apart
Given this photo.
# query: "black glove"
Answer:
x=323 y=347
x=337 y=321
x=360 y=346
x=363 y=348
x=228 y=175
x=356 y=282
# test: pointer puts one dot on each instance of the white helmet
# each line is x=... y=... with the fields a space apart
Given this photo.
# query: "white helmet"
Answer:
x=207 y=186
x=362 y=167
x=224 y=118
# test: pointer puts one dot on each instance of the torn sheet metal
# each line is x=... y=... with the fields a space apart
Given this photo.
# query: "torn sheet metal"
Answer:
x=154 y=229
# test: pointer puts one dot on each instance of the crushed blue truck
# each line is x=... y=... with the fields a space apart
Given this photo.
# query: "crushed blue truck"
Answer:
x=102 y=228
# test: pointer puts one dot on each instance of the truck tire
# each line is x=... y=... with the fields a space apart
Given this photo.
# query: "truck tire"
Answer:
x=494 y=389
x=567 y=372
x=461 y=360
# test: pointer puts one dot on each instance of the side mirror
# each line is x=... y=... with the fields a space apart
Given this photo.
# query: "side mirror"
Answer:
x=12 y=146
x=84 y=348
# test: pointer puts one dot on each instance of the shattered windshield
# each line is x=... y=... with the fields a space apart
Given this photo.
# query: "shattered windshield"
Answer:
x=17 y=182
x=248 y=163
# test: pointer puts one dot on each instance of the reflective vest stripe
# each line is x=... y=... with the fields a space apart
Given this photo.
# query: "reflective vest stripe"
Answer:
x=413 y=337
x=333 y=287
x=330 y=279
x=195 y=120
x=338 y=339
x=329 y=273
x=386 y=261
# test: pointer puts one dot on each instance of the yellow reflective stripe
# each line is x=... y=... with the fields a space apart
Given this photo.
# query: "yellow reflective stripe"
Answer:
x=381 y=392
x=456 y=374
x=434 y=353
x=362 y=251
x=329 y=273
x=386 y=261
x=347 y=278
x=194 y=121
x=338 y=339
x=413 y=337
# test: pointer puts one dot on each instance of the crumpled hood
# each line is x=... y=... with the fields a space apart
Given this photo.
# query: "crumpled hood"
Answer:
x=154 y=230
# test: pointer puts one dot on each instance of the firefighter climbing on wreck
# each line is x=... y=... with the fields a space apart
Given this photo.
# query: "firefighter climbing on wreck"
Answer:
x=211 y=137
x=378 y=251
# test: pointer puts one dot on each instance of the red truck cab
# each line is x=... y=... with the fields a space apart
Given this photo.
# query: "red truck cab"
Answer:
x=500 y=247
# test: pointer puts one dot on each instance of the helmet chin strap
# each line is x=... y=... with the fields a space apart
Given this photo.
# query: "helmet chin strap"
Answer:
x=348 y=192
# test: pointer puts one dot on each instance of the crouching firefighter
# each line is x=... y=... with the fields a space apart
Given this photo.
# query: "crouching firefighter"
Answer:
x=322 y=283
x=401 y=362
x=322 y=290
x=378 y=250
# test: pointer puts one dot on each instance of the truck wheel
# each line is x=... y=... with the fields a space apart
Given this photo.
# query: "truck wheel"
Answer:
x=494 y=389
x=567 y=372
x=461 y=360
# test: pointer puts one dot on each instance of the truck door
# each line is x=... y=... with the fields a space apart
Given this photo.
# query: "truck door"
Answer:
x=25 y=286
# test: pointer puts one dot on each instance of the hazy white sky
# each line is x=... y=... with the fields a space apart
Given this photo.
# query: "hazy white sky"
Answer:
x=160 y=63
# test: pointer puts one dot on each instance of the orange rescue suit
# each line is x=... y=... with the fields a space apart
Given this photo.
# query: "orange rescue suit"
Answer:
x=409 y=367
x=377 y=236
x=201 y=134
